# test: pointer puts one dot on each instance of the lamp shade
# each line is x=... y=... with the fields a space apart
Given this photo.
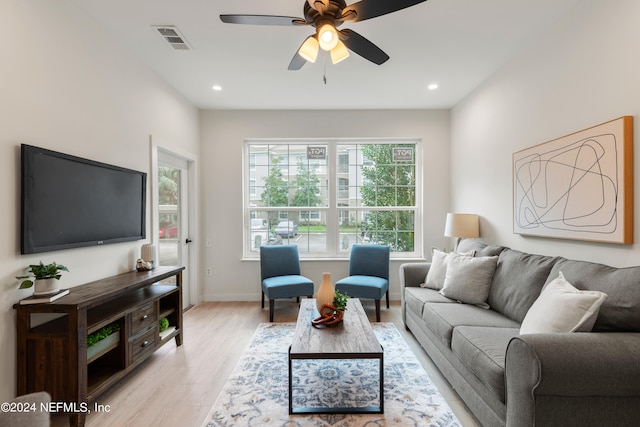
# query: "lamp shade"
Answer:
x=309 y=49
x=339 y=53
x=149 y=253
x=462 y=225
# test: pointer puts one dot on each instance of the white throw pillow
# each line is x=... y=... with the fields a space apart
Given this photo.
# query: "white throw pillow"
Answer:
x=468 y=279
x=562 y=308
x=438 y=269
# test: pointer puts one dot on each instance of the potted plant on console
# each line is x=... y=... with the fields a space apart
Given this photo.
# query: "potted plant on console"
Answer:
x=44 y=278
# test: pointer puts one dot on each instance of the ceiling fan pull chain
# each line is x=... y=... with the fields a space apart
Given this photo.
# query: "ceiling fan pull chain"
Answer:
x=324 y=70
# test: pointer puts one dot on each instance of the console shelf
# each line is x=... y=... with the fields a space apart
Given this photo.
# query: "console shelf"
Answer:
x=52 y=337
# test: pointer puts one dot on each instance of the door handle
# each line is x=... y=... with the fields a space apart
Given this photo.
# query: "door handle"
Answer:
x=188 y=241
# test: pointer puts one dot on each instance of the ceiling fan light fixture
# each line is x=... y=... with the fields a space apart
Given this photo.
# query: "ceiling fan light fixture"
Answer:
x=328 y=37
x=325 y=16
x=339 y=53
x=309 y=49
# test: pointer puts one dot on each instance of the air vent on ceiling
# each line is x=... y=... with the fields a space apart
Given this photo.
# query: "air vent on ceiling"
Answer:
x=172 y=35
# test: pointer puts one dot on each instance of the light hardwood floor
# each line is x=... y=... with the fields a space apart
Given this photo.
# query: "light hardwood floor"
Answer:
x=178 y=385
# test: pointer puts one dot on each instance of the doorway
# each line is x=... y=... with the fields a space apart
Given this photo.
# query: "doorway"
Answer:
x=173 y=215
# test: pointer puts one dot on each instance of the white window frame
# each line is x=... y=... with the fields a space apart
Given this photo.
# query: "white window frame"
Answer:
x=332 y=210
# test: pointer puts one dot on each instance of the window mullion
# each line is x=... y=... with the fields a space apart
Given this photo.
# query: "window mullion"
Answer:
x=332 y=211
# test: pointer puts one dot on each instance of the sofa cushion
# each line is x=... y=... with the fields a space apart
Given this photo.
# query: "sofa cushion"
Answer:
x=478 y=247
x=517 y=282
x=482 y=350
x=443 y=318
x=468 y=279
x=620 y=310
x=562 y=308
x=415 y=298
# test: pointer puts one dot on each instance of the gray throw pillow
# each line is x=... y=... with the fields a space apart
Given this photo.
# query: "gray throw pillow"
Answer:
x=468 y=279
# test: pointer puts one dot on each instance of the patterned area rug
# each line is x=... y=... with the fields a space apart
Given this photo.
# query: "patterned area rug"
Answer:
x=257 y=394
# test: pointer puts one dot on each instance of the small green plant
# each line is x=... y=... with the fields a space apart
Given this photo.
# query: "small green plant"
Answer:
x=164 y=324
x=41 y=271
x=340 y=301
x=102 y=333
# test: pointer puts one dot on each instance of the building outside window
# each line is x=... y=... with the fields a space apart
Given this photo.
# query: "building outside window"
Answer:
x=326 y=195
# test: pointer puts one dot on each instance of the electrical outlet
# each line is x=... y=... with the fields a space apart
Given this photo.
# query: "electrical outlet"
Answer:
x=209 y=272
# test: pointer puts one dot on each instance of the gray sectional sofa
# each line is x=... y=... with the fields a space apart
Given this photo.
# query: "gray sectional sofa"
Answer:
x=534 y=379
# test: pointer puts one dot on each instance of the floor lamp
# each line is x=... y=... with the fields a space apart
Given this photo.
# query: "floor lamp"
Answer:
x=461 y=225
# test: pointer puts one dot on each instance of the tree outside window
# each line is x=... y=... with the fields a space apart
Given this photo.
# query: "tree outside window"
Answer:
x=388 y=183
x=275 y=191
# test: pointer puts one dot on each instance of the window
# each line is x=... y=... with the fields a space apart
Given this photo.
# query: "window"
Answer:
x=326 y=195
x=252 y=189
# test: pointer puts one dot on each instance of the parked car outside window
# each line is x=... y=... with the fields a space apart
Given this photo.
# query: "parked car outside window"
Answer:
x=168 y=231
x=258 y=224
x=287 y=228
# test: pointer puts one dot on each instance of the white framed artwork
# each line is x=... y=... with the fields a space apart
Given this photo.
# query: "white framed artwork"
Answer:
x=579 y=186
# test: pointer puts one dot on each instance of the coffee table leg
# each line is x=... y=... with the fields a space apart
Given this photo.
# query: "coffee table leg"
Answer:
x=290 y=385
x=382 y=383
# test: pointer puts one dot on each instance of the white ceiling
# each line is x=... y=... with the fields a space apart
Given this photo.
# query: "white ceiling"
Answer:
x=457 y=44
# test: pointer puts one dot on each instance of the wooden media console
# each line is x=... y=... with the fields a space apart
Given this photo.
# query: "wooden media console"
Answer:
x=52 y=337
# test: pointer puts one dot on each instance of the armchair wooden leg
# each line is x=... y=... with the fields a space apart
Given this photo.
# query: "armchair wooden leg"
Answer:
x=377 y=310
x=387 y=299
x=262 y=299
x=272 y=304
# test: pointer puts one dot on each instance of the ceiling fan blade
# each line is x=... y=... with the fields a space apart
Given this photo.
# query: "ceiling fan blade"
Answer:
x=263 y=20
x=318 y=5
x=367 y=9
x=296 y=62
x=363 y=47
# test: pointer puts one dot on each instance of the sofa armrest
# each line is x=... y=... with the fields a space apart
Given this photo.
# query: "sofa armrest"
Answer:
x=413 y=274
x=586 y=379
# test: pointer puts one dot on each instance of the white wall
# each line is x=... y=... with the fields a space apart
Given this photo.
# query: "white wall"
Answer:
x=583 y=72
x=223 y=133
x=66 y=86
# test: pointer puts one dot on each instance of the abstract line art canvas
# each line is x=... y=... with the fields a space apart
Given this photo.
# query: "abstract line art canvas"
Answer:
x=579 y=186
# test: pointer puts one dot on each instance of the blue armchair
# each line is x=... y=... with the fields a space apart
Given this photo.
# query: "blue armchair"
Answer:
x=280 y=272
x=368 y=274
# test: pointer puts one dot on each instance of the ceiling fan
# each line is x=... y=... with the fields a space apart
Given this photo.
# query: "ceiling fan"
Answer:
x=326 y=16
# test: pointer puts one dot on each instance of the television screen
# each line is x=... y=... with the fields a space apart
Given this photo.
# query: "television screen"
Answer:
x=69 y=202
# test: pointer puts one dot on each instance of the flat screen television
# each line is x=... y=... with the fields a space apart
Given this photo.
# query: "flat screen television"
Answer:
x=69 y=202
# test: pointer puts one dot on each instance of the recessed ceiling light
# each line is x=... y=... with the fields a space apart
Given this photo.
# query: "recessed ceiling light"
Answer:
x=433 y=86
x=217 y=88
